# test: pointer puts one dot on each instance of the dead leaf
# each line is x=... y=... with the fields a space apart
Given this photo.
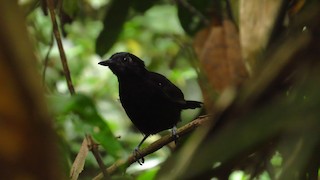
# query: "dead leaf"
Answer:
x=78 y=163
x=219 y=53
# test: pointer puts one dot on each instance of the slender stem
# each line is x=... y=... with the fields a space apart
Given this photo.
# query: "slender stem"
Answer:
x=60 y=47
x=93 y=147
x=46 y=61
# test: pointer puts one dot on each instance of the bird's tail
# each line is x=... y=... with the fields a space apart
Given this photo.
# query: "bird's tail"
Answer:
x=192 y=105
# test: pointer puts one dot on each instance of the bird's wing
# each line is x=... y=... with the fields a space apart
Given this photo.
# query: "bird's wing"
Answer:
x=167 y=88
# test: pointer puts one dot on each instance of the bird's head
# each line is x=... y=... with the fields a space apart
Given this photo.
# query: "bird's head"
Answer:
x=124 y=64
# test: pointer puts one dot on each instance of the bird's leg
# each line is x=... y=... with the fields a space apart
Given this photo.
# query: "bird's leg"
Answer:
x=174 y=134
x=136 y=152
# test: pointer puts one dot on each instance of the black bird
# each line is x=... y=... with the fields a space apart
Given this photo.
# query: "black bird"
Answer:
x=151 y=101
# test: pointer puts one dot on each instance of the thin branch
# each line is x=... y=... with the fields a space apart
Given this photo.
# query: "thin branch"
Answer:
x=154 y=146
x=60 y=46
x=93 y=147
x=194 y=11
x=46 y=61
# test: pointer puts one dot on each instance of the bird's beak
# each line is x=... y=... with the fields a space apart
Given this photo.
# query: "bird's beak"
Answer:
x=105 y=63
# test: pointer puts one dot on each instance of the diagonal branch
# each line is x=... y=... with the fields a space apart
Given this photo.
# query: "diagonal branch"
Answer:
x=123 y=164
x=60 y=47
x=93 y=147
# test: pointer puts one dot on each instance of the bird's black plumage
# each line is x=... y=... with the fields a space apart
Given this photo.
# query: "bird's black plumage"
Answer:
x=150 y=100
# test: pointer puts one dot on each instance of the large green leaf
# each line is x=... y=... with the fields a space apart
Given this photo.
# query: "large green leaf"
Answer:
x=112 y=25
x=189 y=13
x=84 y=107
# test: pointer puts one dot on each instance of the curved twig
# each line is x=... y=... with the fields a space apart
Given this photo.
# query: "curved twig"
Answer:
x=46 y=61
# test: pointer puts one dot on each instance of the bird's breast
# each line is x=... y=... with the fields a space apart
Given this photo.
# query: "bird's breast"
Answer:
x=147 y=107
x=136 y=95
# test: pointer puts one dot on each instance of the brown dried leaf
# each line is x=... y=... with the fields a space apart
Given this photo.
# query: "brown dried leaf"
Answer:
x=219 y=53
x=78 y=163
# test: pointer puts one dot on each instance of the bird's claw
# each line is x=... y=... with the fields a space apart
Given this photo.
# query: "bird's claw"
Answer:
x=138 y=157
x=174 y=134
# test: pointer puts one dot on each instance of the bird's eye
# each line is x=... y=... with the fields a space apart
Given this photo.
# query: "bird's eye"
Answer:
x=125 y=59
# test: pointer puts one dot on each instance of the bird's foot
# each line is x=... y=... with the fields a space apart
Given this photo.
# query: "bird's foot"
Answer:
x=174 y=134
x=137 y=155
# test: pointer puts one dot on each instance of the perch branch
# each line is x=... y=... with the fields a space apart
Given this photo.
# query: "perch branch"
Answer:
x=154 y=146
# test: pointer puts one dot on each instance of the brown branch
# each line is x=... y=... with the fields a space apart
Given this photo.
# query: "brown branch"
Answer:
x=46 y=61
x=154 y=146
x=60 y=46
x=93 y=147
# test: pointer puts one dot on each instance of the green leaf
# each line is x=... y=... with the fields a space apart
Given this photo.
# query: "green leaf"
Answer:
x=84 y=107
x=112 y=25
x=190 y=21
x=70 y=7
